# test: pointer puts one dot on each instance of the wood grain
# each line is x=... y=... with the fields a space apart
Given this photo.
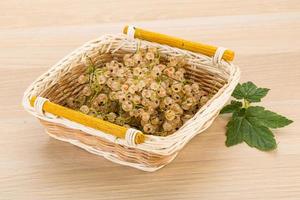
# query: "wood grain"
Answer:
x=265 y=36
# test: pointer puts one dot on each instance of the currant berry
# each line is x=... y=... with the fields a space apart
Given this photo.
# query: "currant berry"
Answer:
x=85 y=109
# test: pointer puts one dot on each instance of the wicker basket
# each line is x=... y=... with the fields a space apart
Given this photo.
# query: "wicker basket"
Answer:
x=215 y=75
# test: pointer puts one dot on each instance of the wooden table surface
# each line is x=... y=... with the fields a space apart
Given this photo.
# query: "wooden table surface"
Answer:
x=265 y=36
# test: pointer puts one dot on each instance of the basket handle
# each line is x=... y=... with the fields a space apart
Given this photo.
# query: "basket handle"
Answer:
x=176 y=42
x=132 y=136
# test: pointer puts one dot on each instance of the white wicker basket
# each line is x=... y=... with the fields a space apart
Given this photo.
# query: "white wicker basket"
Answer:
x=155 y=152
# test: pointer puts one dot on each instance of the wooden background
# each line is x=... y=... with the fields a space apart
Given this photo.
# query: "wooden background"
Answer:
x=36 y=34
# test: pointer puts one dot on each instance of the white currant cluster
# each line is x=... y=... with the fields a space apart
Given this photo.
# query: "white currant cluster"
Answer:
x=143 y=90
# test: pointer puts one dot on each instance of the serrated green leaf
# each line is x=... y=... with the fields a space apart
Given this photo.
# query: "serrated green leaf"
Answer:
x=258 y=95
x=258 y=115
x=238 y=92
x=240 y=129
x=250 y=92
x=233 y=133
x=259 y=137
x=234 y=106
x=251 y=123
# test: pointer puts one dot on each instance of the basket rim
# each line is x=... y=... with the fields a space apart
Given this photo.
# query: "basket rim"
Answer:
x=164 y=145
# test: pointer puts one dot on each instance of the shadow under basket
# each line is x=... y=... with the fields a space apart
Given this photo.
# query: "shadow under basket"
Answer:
x=216 y=76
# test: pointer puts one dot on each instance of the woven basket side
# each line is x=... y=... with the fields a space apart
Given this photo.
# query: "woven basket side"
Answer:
x=117 y=153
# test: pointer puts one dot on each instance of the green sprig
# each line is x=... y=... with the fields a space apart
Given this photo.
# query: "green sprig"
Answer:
x=252 y=124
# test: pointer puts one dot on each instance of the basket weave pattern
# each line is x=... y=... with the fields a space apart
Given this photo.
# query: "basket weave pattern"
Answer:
x=60 y=82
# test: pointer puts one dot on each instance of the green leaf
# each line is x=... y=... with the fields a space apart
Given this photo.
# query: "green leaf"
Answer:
x=259 y=137
x=233 y=133
x=250 y=92
x=251 y=123
x=239 y=129
x=234 y=106
x=258 y=115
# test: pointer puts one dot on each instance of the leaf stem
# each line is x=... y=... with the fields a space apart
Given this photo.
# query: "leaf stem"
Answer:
x=246 y=104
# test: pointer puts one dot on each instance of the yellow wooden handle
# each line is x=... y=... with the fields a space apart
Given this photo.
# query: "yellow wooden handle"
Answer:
x=93 y=122
x=179 y=43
